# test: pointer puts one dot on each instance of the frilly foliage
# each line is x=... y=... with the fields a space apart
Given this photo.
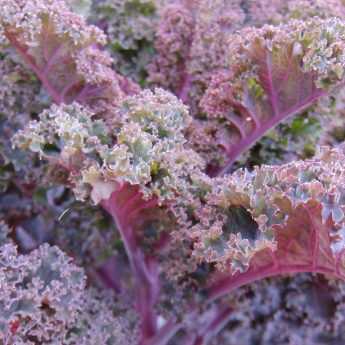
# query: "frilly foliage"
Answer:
x=41 y=295
x=130 y=27
x=44 y=300
x=63 y=51
x=206 y=57
x=303 y=309
x=20 y=98
x=252 y=212
x=184 y=237
x=274 y=73
x=147 y=148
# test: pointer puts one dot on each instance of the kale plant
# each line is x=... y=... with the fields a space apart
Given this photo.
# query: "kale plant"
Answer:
x=172 y=172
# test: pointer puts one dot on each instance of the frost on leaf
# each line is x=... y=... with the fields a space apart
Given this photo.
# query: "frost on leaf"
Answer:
x=275 y=220
x=63 y=51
